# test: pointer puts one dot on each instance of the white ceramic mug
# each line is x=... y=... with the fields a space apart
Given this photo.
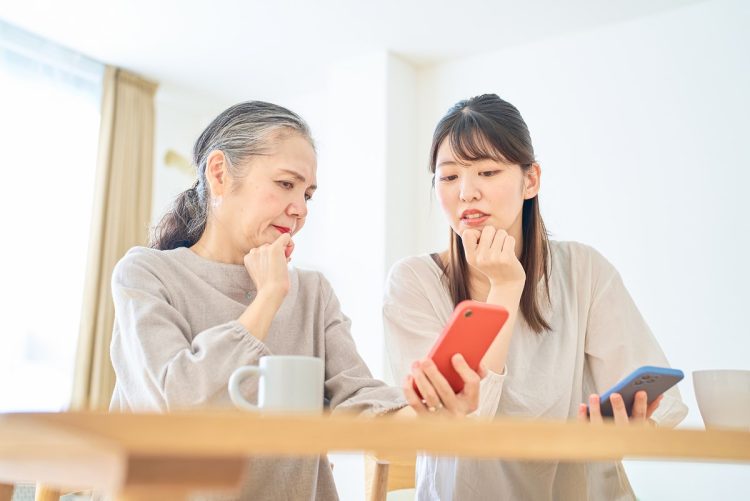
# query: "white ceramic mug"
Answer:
x=723 y=398
x=288 y=383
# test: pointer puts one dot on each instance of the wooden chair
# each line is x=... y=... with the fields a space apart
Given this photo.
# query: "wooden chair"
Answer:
x=384 y=474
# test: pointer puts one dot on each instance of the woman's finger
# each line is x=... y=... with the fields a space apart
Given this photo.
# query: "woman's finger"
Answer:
x=288 y=250
x=411 y=396
x=280 y=243
x=486 y=239
x=653 y=406
x=595 y=412
x=432 y=401
x=619 y=411
x=583 y=413
x=470 y=378
x=441 y=385
x=498 y=241
x=640 y=404
x=470 y=240
x=509 y=246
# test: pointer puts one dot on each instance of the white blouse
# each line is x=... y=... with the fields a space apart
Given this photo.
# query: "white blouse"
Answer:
x=597 y=337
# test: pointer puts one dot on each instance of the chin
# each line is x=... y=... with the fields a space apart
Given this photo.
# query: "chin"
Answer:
x=463 y=227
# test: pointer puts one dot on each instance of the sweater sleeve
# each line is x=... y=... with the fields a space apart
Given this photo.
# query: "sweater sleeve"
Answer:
x=349 y=385
x=159 y=363
x=618 y=340
x=412 y=325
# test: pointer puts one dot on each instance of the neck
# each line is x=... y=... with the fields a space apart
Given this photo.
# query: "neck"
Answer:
x=211 y=245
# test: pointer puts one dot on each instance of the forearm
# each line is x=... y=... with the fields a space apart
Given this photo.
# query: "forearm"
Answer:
x=496 y=355
x=259 y=314
x=174 y=373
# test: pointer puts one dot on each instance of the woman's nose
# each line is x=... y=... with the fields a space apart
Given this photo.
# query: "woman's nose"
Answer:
x=297 y=209
x=468 y=191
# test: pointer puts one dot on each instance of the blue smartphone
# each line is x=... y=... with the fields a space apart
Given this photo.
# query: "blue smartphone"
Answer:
x=653 y=380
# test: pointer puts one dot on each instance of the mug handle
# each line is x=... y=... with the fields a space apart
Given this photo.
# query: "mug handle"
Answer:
x=235 y=380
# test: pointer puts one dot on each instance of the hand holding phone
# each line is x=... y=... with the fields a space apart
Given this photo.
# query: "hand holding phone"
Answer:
x=470 y=331
x=653 y=380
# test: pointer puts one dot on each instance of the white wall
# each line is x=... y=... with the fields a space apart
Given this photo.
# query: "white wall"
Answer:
x=180 y=117
x=641 y=129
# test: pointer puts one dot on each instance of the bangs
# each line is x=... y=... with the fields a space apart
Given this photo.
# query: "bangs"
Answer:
x=469 y=144
x=475 y=136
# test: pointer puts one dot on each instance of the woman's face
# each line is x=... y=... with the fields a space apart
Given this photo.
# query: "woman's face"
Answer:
x=479 y=193
x=271 y=198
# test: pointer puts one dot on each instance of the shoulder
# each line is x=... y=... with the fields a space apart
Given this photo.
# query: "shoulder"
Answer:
x=137 y=258
x=578 y=257
x=143 y=262
x=414 y=279
x=580 y=265
x=413 y=268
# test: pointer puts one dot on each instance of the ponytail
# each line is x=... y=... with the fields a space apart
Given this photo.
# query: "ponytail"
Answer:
x=183 y=224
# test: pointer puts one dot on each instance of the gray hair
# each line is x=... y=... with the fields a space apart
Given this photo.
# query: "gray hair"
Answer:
x=240 y=132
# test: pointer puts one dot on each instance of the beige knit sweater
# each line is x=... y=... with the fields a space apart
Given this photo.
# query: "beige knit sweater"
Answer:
x=176 y=341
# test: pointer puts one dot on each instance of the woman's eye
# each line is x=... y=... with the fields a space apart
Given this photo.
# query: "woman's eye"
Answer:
x=287 y=185
x=489 y=173
x=448 y=178
x=308 y=197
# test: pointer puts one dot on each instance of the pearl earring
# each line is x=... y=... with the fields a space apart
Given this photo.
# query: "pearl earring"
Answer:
x=216 y=201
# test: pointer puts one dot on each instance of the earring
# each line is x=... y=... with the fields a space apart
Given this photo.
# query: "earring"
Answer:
x=216 y=201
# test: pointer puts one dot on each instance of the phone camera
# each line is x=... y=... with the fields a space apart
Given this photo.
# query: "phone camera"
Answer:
x=468 y=313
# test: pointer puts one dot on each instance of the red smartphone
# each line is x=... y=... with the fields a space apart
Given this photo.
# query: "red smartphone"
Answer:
x=470 y=331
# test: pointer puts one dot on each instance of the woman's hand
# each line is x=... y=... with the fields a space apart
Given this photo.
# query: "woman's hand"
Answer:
x=493 y=253
x=640 y=413
x=267 y=266
x=437 y=395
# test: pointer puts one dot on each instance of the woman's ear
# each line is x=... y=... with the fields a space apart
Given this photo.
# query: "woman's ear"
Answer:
x=531 y=180
x=216 y=173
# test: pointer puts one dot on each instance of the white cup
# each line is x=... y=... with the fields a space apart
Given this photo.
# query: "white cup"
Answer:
x=288 y=383
x=723 y=398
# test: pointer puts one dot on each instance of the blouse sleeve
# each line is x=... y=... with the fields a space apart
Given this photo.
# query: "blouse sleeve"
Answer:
x=160 y=364
x=412 y=325
x=618 y=341
x=349 y=385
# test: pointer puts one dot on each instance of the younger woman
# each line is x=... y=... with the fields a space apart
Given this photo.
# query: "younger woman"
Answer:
x=573 y=331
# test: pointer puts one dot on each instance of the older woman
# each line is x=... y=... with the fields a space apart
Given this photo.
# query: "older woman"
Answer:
x=215 y=292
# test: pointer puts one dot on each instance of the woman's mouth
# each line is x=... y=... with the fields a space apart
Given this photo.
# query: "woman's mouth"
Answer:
x=474 y=217
x=282 y=229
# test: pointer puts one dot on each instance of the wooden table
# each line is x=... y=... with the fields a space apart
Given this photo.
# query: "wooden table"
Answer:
x=147 y=456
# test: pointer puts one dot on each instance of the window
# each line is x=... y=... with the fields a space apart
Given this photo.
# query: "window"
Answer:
x=49 y=128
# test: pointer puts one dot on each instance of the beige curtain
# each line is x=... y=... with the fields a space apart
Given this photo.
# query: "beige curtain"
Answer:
x=122 y=212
